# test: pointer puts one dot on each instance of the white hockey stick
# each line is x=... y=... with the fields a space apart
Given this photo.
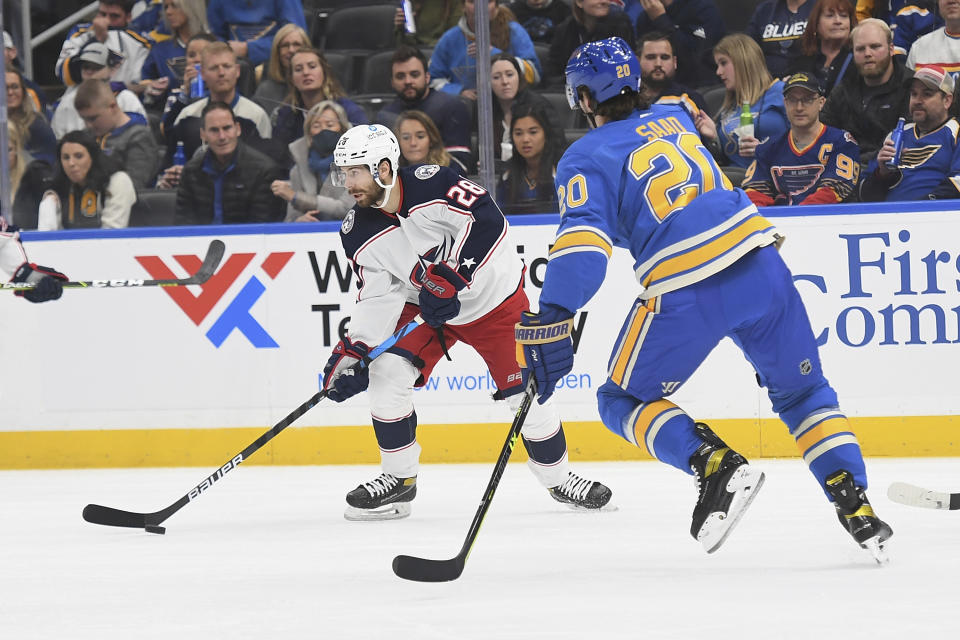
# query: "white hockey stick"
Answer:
x=914 y=496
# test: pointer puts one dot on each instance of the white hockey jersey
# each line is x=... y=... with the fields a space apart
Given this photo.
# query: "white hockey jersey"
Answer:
x=11 y=253
x=442 y=216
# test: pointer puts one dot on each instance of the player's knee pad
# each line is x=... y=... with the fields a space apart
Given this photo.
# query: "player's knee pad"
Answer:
x=391 y=386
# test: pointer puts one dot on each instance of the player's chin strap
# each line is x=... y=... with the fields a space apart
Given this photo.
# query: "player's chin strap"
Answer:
x=386 y=188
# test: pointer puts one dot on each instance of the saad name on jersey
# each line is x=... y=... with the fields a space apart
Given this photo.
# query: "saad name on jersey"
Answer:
x=661 y=127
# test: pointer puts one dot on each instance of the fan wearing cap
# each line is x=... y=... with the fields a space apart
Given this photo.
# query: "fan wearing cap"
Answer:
x=93 y=62
x=810 y=163
x=929 y=162
x=128 y=49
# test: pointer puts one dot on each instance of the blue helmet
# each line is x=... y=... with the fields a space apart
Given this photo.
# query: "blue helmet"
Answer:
x=605 y=68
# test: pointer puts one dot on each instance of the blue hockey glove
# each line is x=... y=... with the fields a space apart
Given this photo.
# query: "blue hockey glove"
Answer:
x=545 y=347
x=341 y=379
x=47 y=280
x=438 y=295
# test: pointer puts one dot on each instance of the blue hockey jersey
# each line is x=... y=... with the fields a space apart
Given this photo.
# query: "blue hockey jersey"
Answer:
x=649 y=185
x=929 y=167
x=824 y=172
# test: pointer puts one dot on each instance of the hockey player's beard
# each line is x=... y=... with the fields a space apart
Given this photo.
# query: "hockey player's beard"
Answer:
x=369 y=197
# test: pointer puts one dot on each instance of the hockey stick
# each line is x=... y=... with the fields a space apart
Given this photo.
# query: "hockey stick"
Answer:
x=915 y=496
x=426 y=570
x=109 y=516
x=210 y=263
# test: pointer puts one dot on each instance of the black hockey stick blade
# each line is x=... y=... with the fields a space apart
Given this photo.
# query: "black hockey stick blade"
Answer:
x=426 y=570
x=915 y=496
x=109 y=516
x=210 y=263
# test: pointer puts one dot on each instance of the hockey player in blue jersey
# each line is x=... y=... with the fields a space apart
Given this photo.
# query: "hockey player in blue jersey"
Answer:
x=426 y=241
x=929 y=163
x=810 y=163
x=709 y=269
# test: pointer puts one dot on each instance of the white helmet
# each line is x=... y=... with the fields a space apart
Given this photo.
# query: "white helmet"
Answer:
x=367 y=145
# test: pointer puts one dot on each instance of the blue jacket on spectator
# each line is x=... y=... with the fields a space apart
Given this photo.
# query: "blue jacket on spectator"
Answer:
x=254 y=22
x=167 y=59
x=769 y=121
x=452 y=71
x=778 y=32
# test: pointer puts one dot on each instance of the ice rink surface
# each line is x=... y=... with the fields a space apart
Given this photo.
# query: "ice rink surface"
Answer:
x=266 y=553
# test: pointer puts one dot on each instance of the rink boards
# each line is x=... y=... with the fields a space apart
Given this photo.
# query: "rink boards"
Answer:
x=173 y=377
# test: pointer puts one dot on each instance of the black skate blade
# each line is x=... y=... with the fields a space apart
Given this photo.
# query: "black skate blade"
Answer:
x=425 y=570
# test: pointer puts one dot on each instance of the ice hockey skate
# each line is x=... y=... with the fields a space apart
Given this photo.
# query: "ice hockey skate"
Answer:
x=727 y=485
x=857 y=516
x=581 y=494
x=386 y=497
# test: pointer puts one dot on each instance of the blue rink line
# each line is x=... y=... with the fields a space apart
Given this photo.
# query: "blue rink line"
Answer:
x=332 y=226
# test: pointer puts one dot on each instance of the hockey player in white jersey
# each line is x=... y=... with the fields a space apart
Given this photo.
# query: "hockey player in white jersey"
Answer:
x=15 y=268
x=423 y=240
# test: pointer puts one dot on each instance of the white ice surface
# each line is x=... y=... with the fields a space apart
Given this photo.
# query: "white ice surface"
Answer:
x=266 y=553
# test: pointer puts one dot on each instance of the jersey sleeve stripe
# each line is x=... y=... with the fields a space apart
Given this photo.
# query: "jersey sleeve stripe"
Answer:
x=581 y=240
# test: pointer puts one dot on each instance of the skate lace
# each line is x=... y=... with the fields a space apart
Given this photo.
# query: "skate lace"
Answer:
x=575 y=486
x=381 y=485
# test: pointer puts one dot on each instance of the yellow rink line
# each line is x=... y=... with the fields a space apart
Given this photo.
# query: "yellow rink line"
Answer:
x=901 y=436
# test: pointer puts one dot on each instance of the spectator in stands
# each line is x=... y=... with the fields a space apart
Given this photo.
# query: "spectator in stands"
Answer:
x=219 y=69
x=509 y=89
x=92 y=60
x=694 y=26
x=411 y=82
x=825 y=45
x=540 y=17
x=432 y=18
x=38 y=138
x=527 y=184
x=146 y=18
x=741 y=68
x=89 y=190
x=883 y=9
x=310 y=192
x=929 y=163
x=230 y=182
x=165 y=66
x=810 y=163
x=867 y=104
x=31 y=88
x=589 y=20
x=777 y=26
x=941 y=47
x=453 y=66
x=420 y=142
x=128 y=49
x=658 y=71
x=128 y=140
x=249 y=27
x=313 y=81
x=275 y=82
x=29 y=179
x=911 y=22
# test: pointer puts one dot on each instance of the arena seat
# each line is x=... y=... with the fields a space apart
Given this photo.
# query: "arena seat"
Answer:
x=154 y=208
x=360 y=28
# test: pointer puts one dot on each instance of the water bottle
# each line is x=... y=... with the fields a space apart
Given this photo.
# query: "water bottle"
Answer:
x=179 y=156
x=408 y=23
x=197 y=89
x=897 y=138
x=746 y=121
